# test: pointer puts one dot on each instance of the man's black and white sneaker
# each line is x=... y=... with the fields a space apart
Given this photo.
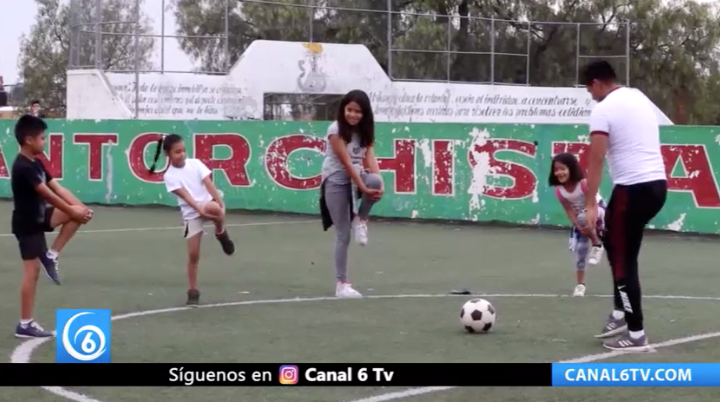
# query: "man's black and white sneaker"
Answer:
x=613 y=327
x=628 y=343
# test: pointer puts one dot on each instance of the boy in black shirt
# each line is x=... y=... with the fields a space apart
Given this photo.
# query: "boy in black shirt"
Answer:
x=32 y=187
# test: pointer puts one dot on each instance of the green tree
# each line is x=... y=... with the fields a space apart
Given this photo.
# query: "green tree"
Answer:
x=295 y=21
x=45 y=53
x=207 y=18
x=672 y=45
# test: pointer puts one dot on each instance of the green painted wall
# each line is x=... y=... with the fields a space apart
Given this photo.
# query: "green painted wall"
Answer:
x=434 y=171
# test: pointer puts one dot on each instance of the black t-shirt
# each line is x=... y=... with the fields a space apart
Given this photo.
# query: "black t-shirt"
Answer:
x=29 y=213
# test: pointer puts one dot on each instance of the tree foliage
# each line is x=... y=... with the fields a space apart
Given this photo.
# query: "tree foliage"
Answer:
x=45 y=53
x=672 y=45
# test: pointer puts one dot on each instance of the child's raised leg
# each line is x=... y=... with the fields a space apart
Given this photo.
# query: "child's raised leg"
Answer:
x=372 y=181
x=68 y=228
x=581 y=254
x=217 y=215
x=596 y=252
x=193 y=244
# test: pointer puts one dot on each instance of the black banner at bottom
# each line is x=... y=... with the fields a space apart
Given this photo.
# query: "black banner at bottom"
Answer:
x=268 y=374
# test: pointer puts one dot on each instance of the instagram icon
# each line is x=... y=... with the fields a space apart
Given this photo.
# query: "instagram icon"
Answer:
x=289 y=375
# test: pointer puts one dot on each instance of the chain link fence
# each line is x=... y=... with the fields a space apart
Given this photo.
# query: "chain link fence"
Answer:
x=453 y=46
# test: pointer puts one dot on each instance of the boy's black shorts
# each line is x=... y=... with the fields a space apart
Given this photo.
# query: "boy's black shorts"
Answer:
x=34 y=245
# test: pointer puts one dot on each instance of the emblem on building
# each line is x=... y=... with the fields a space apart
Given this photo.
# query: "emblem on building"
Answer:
x=312 y=79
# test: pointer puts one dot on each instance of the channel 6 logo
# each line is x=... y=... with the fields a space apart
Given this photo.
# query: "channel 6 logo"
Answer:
x=288 y=375
x=83 y=336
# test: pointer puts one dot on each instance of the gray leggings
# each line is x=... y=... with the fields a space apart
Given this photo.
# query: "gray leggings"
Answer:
x=581 y=253
x=584 y=243
x=337 y=190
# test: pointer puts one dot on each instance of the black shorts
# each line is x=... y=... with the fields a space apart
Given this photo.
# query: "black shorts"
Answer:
x=33 y=245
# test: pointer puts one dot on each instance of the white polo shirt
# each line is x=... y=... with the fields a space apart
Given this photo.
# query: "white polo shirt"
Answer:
x=190 y=177
x=633 y=132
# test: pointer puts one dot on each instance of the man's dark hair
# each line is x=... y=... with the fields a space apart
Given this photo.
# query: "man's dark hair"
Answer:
x=28 y=126
x=34 y=102
x=598 y=70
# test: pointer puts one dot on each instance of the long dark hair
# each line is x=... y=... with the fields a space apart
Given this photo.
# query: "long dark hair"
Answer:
x=165 y=143
x=366 y=127
x=569 y=160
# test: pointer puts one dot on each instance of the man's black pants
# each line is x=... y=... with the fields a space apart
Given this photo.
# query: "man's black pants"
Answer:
x=630 y=209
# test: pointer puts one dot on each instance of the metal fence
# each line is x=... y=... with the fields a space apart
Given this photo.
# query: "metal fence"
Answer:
x=90 y=34
x=409 y=45
x=13 y=94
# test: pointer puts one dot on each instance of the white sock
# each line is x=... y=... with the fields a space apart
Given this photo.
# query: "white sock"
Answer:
x=53 y=253
x=25 y=323
x=637 y=334
x=618 y=315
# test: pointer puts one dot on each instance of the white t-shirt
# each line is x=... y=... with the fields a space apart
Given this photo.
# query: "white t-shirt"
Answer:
x=575 y=198
x=634 y=137
x=190 y=178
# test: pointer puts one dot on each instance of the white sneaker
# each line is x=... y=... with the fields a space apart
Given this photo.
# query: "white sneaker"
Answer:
x=596 y=253
x=579 y=291
x=361 y=231
x=346 y=291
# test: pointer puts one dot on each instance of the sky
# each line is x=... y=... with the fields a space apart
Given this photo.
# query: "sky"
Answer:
x=19 y=15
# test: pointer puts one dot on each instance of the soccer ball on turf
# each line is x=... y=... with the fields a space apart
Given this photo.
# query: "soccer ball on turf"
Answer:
x=477 y=315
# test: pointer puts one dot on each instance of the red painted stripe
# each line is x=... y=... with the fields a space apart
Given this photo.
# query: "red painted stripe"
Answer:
x=618 y=230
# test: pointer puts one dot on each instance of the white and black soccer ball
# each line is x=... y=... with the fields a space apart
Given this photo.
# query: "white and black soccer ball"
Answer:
x=477 y=316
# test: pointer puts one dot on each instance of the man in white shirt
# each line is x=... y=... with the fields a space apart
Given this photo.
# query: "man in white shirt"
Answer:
x=623 y=126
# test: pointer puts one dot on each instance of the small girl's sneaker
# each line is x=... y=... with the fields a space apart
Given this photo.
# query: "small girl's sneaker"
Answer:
x=596 y=253
x=361 y=231
x=345 y=291
x=579 y=291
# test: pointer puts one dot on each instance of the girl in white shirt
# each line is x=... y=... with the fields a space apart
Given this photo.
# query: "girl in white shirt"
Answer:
x=199 y=200
x=568 y=178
